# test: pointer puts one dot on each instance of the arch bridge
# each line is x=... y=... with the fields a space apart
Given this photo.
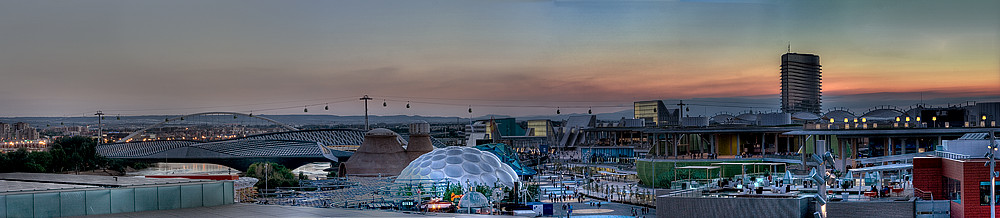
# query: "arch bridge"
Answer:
x=234 y=114
x=291 y=147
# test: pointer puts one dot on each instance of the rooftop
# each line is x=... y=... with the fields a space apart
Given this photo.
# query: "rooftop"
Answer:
x=254 y=210
x=889 y=132
x=42 y=182
x=7 y=187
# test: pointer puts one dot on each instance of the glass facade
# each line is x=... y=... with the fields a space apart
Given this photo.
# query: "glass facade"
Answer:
x=653 y=112
x=984 y=193
x=953 y=189
x=540 y=127
x=801 y=83
x=119 y=200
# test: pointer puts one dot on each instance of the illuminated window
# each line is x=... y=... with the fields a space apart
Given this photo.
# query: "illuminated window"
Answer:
x=984 y=193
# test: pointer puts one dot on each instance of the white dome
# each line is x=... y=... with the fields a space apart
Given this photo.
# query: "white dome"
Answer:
x=462 y=165
x=473 y=199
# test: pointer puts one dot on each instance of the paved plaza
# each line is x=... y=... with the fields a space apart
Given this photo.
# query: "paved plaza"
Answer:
x=607 y=209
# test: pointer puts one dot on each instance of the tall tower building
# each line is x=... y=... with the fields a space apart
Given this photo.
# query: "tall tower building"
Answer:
x=801 y=85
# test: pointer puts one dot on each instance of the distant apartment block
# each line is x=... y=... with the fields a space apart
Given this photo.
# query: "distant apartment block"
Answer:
x=17 y=131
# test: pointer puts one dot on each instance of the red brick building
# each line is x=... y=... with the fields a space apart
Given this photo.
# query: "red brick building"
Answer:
x=965 y=182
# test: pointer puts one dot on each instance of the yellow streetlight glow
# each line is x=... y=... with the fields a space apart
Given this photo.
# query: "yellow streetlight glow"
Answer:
x=864 y=120
x=845 y=119
x=907 y=119
x=831 y=120
x=897 y=119
x=933 y=118
x=918 y=119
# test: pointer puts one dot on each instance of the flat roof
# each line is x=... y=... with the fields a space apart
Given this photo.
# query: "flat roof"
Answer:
x=890 y=167
x=699 y=167
x=7 y=187
x=732 y=163
x=696 y=130
x=898 y=157
x=93 y=180
x=241 y=210
x=958 y=131
x=767 y=164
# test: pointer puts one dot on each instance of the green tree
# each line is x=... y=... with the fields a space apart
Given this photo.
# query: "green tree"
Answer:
x=276 y=175
x=4 y=161
x=69 y=153
x=37 y=161
x=80 y=152
x=17 y=160
x=452 y=190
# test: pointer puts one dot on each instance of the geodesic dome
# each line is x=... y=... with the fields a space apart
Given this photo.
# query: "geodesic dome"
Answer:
x=463 y=165
x=473 y=199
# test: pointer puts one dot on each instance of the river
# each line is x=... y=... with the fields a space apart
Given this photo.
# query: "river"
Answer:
x=313 y=170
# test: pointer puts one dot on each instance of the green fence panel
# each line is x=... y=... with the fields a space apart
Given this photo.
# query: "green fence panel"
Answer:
x=228 y=196
x=73 y=203
x=20 y=206
x=212 y=194
x=169 y=197
x=145 y=199
x=46 y=204
x=122 y=200
x=98 y=202
x=191 y=196
x=3 y=205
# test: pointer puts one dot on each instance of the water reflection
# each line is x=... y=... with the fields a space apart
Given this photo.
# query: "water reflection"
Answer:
x=312 y=170
x=185 y=168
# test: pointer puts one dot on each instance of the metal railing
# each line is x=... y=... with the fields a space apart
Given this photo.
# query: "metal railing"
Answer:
x=951 y=155
x=685 y=193
x=922 y=194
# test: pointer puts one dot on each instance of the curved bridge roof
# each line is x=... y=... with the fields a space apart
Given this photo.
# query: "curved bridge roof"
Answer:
x=281 y=144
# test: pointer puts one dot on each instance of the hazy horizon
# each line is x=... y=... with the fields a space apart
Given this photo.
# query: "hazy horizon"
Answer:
x=519 y=58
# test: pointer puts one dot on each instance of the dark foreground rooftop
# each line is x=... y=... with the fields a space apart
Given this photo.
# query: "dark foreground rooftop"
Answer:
x=103 y=181
x=256 y=210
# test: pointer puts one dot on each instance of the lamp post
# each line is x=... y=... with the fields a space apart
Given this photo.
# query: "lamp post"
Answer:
x=993 y=175
x=267 y=167
x=366 y=99
x=100 y=127
x=934 y=118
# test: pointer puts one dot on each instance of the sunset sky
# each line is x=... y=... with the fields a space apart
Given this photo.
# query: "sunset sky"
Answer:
x=61 y=58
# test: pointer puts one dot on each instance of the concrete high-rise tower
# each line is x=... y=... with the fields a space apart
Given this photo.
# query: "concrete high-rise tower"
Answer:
x=801 y=83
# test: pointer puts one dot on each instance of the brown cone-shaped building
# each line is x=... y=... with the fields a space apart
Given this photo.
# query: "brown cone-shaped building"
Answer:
x=380 y=154
x=420 y=140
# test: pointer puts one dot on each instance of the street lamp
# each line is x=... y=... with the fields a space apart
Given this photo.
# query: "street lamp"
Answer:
x=366 y=99
x=267 y=166
x=993 y=174
x=934 y=118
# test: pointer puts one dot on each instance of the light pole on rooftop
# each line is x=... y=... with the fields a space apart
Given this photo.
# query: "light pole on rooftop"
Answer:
x=100 y=127
x=993 y=175
x=366 y=99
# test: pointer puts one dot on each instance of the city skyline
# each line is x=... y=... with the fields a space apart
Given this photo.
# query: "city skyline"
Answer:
x=73 y=58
